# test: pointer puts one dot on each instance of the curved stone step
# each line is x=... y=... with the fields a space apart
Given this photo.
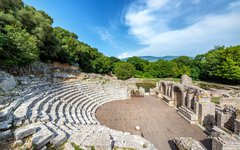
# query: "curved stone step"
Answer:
x=42 y=137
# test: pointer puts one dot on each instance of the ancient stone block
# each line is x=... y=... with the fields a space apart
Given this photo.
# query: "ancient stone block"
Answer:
x=206 y=114
x=42 y=137
x=224 y=141
x=185 y=79
x=7 y=81
x=25 y=131
x=187 y=143
x=5 y=135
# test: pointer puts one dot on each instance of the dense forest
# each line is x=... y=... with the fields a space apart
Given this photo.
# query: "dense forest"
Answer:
x=27 y=35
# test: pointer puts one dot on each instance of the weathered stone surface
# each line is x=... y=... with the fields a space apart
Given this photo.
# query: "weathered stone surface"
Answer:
x=25 y=131
x=7 y=81
x=59 y=139
x=187 y=143
x=224 y=141
x=237 y=127
x=142 y=91
x=185 y=79
x=68 y=146
x=63 y=75
x=42 y=137
x=5 y=125
x=18 y=143
x=44 y=148
x=5 y=135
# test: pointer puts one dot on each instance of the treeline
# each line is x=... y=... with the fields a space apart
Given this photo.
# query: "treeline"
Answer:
x=27 y=35
x=220 y=64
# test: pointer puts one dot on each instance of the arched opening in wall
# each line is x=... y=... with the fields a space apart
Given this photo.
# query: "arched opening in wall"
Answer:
x=192 y=103
x=178 y=96
x=163 y=88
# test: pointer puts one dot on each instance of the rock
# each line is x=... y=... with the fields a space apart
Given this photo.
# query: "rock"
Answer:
x=63 y=75
x=5 y=135
x=59 y=139
x=25 y=131
x=185 y=79
x=137 y=128
x=142 y=91
x=5 y=125
x=187 y=143
x=42 y=137
x=44 y=148
x=7 y=81
x=68 y=146
x=17 y=143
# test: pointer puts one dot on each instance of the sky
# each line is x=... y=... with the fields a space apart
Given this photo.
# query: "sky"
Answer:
x=125 y=28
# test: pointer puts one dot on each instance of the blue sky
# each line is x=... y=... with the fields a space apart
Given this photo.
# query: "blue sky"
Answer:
x=126 y=28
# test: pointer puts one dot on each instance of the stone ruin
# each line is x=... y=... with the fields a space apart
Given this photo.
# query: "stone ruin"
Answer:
x=188 y=143
x=224 y=141
x=185 y=79
x=192 y=102
x=61 y=113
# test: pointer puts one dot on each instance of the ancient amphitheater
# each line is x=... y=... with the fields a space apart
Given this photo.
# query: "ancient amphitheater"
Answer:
x=45 y=114
x=55 y=113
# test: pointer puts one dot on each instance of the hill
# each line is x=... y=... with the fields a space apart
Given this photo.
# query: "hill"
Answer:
x=154 y=58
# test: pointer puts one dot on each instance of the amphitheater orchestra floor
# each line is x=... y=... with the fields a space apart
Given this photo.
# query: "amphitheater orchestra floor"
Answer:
x=158 y=122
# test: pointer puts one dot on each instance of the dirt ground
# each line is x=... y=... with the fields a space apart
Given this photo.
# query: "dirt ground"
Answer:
x=159 y=123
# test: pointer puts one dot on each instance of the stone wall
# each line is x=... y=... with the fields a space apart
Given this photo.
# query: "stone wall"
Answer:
x=225 y=118
x=223 y=141
x=206 y=114
x=188 y=143
x=190 y=101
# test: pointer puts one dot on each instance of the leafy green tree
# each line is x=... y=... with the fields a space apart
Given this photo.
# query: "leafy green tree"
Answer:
x=224 y=64
x=10 y=5
x=124 y=70
x=102 y=65
x=19 y=47
x=139 y=64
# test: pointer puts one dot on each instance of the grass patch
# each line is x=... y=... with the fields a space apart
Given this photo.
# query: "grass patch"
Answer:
x=146 y=85
x=76 y=147
x=215 y=100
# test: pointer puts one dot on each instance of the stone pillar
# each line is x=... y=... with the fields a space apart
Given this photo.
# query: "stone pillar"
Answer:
x=188 y=101
x=206 y=116
x=169 y=91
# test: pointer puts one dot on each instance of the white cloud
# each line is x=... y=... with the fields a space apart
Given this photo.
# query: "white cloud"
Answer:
x=104 y=34
x=149 y=21
x=124 y=55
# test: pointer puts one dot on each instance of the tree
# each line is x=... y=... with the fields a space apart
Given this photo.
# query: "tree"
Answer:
x=19 y=47
x=102 y=65
x=224 y=64
x=139 y=64
x=124 y=70
x=7 y=5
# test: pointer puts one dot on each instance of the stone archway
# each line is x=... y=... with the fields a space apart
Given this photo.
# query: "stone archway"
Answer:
x=178 y=96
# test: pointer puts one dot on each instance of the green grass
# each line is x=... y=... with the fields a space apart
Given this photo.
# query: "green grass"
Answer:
x=76 y=147
x=215 y=100
x=146 y=85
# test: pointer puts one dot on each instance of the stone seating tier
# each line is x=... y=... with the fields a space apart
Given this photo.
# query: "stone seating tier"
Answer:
x=53 y=113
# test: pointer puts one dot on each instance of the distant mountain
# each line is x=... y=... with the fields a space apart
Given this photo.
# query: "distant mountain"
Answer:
x=154 y=58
